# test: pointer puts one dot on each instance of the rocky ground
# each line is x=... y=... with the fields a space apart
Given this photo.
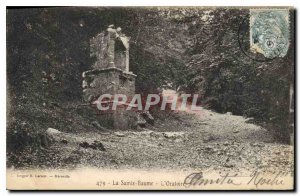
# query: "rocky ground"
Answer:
x=203 y=140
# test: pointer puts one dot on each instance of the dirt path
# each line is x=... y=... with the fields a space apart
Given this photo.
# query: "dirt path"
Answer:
x=203 y=140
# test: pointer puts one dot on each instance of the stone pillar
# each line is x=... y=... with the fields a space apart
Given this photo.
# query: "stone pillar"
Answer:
x=127 y=60
x=111 y=53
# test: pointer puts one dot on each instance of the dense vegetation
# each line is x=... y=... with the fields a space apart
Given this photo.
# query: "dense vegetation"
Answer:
x=188 y=50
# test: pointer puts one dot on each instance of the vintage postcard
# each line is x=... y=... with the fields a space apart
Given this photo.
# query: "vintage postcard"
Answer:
x=150 y=98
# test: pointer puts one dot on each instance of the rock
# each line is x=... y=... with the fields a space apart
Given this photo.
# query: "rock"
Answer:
x=84 y=84
x=54 y=104
x=119 y=134
x=52 y=135
x=146 y=132
x=173 y=135
x=45 y=140
x=209 y=139
x=250 y=120
x=229 y=113
x=91 y=98
x=44 y=80
x=141 y=121
x=52 y=76
x=93 y=84
x=99 y=127
x=64 y=141
x=84 y=145
x=261 y=145
x=257 y=144
x=229 y=165
x=156 y=134
x=96 y=124
x=236 y=131
x=148 y=117
x=52 y=131
x=208 y=148
x=226 y=143
x=96 y=145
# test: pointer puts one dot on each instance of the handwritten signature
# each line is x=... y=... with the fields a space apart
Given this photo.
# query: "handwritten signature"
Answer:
x=256 y=178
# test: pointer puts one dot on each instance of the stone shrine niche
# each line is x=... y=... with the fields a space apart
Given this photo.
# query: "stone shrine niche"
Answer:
x=111 y=49
x=120 y=55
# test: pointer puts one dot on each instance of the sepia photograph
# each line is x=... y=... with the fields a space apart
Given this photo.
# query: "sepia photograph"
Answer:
x=150 y=98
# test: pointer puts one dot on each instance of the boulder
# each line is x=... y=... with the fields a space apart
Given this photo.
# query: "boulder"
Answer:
x=173 y=135
x=52 y=131
x=119 y=134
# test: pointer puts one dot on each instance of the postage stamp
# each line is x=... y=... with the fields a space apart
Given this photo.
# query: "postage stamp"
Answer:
x=269 y=32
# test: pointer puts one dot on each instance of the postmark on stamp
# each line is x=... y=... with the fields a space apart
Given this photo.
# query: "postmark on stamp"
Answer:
x=269 y=32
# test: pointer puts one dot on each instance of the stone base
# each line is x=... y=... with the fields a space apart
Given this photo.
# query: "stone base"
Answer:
x=119 y=119
x=107 y=81
x=110 y=81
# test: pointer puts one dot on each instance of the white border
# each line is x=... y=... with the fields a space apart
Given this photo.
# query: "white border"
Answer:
x=153 y=3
